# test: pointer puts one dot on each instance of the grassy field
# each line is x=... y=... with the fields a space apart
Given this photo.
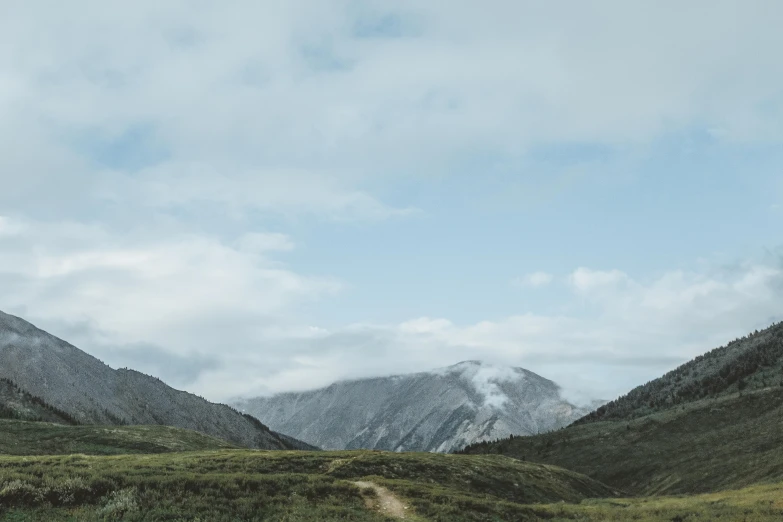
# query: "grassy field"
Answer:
x=41 y=438
x=709 y=445
x=255 y=485
x=246 y=485
x=760 y=503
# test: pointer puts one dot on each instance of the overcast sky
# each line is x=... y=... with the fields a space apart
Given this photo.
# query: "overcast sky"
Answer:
x=255 y=196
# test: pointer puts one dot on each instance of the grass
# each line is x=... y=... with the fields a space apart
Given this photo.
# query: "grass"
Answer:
x=705 y=446
x=246 y=485
x=759 y=503
x=290 y=486
x=41 y=438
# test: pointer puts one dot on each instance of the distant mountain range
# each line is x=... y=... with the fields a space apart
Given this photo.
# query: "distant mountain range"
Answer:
x=45 y=378
x=440 y=411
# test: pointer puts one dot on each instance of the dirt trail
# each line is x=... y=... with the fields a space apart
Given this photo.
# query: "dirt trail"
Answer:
x=387 y=502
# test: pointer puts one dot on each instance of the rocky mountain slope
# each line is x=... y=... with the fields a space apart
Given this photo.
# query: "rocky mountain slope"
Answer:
x=68 y=381
x=438 y=411
x=17 y=404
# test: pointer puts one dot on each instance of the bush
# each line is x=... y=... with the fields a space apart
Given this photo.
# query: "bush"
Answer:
x=118 y=503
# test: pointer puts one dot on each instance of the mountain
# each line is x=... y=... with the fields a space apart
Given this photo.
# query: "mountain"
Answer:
x=750 y=363
x=714 y=423
x=47 y=378
x=437 y=411
x=17 y=404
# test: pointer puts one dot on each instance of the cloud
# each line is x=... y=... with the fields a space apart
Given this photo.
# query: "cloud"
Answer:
x=586 y=281
x=220 y=103
x=288 y=192
x=534 y=280
x=629 y=333
x=184 y=292
x=151 y=150
x=261 y=242
x=222 y=318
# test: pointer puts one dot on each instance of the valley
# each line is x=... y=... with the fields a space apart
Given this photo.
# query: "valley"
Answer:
x=296 y=486
x=700 y=443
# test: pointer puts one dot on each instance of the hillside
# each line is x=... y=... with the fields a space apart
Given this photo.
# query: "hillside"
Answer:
x=438 y=411
x=247 y=485
x=713 y=444
x=750 y=363
x=715 y=422
x=360 y=486
x=73 y=383
x=44 y=438
x=16 y=403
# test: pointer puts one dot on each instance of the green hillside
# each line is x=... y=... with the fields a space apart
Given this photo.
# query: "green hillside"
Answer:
x=258 y=485
x=43 y=438
x=712 y=444
x=246 y=485
x=763 y=503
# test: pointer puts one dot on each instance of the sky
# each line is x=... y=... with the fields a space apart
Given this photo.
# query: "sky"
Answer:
x=246 y=197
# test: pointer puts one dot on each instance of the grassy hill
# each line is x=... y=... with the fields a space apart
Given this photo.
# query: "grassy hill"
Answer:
x=43 y=438
x=763 y=503
x=258 y=485
x=246 y=485
x=711 y=444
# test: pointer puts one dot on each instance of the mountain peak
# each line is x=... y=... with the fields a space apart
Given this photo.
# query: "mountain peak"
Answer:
x=439 y=410
x=485 y=378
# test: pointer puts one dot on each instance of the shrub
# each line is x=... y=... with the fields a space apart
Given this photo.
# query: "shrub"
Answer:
x=118 y=503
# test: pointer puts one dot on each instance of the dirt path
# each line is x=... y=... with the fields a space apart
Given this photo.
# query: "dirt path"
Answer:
x=387 y=503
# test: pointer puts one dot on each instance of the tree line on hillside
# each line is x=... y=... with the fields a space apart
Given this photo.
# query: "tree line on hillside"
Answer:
x=728 y=369
x=6 y=412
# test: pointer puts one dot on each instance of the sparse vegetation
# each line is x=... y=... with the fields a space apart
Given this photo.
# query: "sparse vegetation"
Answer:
x=244 y=485
x=16 y=403
x=255 y=485
x=41 y=438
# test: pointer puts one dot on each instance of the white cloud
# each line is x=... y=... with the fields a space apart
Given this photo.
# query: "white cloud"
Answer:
x=290 y=192
x=632 y=335
x=152 y=118
x=585 y=280
x=425 y=325
x=534 y=280
x=186 y=293
x=217 y=102
x=228 y=313
x=260 y=242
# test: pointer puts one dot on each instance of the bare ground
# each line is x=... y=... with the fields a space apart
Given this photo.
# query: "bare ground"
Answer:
x=387 y=503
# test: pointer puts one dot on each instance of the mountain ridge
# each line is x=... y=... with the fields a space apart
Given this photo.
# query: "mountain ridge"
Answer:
x=438 y=410
x=91 y=392
x=752 y=362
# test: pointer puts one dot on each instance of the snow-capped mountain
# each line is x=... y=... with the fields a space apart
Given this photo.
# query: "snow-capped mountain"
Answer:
x=440 y=411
